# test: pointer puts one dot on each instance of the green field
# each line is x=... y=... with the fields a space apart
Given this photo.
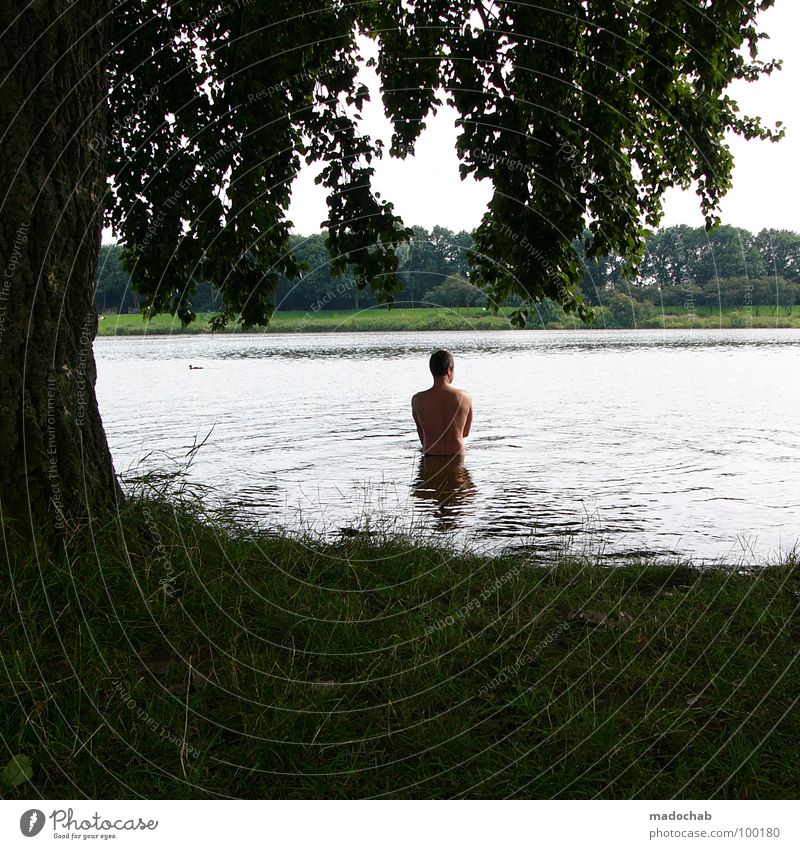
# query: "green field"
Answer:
x=186 y=658
x=428 y=318
x=324 y=321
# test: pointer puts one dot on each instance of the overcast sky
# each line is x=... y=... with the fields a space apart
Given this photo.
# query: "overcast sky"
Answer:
x=427 y=190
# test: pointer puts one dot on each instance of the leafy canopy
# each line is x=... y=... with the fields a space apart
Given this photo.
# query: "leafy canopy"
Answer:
x=580 y=113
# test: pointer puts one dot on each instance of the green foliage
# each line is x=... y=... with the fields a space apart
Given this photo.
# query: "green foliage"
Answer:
x=317 y=286
x=674 y=259
x=681 y=254
x=425 y=262
x=588 y=111
x=114 y=291
x=456 y=292
x=546 y=312
x=728 y=252
x=780 y=253
x=17 y=771
x=430 y=258
x=624 y=311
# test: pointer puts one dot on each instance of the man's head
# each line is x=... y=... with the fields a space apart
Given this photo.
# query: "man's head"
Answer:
x=441 y=364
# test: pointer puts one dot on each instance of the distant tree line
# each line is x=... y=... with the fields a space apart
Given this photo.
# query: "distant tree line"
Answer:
x=724 y=269
x=113 y=292
x=683 y=266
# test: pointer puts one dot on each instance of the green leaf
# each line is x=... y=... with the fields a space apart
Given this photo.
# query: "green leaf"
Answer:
x=17 y=771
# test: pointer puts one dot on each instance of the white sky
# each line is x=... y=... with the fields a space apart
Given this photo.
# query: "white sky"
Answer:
x=427 y=190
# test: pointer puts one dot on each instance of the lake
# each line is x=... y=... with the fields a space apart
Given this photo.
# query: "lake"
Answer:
x=609 y=443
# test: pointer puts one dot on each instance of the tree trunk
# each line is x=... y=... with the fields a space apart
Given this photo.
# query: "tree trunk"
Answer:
x=55 y=467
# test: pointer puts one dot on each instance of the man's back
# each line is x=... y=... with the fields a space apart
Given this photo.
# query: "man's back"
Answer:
x=443 y=415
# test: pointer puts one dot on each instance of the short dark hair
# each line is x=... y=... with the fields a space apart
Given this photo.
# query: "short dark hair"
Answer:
x=440 y=361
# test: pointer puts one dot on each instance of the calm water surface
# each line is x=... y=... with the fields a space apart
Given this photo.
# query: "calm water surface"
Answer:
x=611 y=442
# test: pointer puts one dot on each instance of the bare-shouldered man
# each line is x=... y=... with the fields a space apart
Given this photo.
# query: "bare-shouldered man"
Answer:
x=443 y=414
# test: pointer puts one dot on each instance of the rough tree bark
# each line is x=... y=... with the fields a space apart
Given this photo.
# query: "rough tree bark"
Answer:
x=55 y=466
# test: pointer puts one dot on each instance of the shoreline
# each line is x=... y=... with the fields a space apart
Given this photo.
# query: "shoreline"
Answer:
x=369 y=322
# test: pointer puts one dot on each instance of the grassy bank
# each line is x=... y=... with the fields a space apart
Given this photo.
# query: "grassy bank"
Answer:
x=462 y=318
x=324 y=321
x=166 y=656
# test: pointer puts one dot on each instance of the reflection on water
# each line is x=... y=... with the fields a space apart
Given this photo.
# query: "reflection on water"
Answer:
x=660 y=441
x=445 y=481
